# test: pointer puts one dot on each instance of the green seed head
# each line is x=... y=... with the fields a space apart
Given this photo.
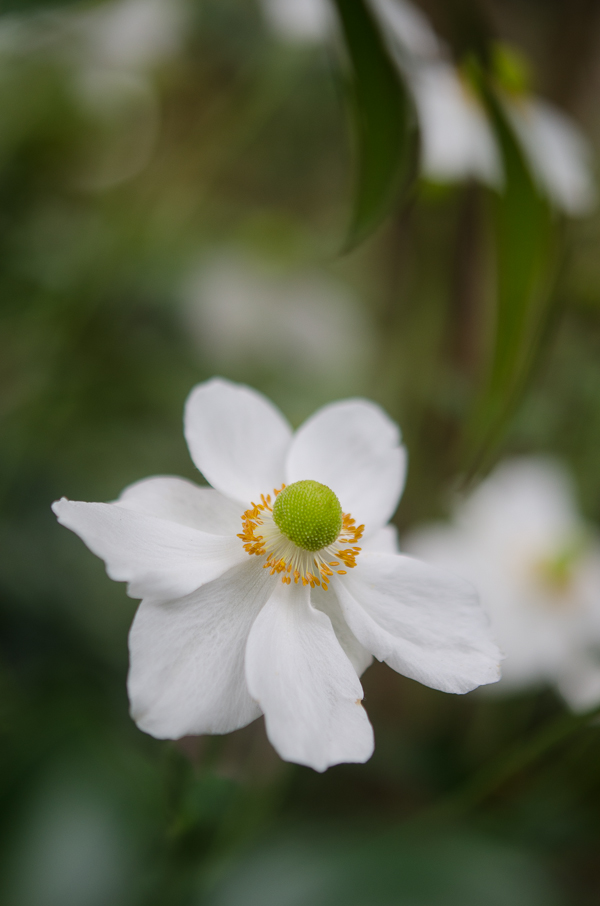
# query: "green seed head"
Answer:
x=309 y=514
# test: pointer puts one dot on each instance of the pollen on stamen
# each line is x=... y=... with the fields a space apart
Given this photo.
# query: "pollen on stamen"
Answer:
x=262 y=537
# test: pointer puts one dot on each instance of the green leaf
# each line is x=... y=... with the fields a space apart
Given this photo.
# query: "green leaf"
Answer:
x=382 y=121
x=26 y=6
x=524 y=237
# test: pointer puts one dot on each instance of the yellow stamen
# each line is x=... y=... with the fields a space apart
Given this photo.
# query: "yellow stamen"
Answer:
x=262 y=538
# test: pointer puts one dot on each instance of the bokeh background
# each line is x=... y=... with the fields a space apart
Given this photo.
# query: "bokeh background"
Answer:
x=176 y=184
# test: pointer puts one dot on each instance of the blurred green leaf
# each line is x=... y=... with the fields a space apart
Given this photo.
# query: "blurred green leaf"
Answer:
x=524 y=234
x=382 y=121
x=395 y=868
x=25 y=6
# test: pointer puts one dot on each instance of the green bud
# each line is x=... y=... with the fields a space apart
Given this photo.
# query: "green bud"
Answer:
x=309 y=514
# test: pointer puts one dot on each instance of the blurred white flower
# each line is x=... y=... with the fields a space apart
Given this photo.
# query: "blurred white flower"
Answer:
x=110 y=50
x=114 y=47
x=456 y=138
x=126 y=115
x=243 y=313
x=272 y=607
x=132 y=35
x=457 y=141
x=407 y=30
x=559 y=156
x=298 y=20
x=521 y=542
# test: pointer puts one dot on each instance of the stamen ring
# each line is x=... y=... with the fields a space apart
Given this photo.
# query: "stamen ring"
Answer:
x=261 y=537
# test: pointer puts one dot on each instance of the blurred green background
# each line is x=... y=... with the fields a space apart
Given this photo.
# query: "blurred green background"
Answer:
x=174 y=199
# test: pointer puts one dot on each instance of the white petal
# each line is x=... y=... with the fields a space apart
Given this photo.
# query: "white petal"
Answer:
x=405 y=25
x=533 y=628
x=299 y=20
x=327 y=602
x=559 y=154
x=159 y=559
x=425 y=623
x=187 y=657
x=305 y=684
x=237 y=438
x=579 y=682
x=131 y=34
x=177 y=500
x=527 y=503
x=456 y=139
x=384 y=541
x=353 y=448
x=240 y=312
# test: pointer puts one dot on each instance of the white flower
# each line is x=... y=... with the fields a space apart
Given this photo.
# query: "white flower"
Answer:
x=243 y=311
x=407 y=30
x=456 y=139
x=110 y=49
x=125 y=108
x=239 y=618
x=298 y=20
x=129 y=35
x=519 y=539
x=558 y=154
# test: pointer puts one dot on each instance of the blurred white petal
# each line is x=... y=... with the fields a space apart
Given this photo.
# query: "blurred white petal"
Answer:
x=131 y=34
x=519 y=539
x=126 y=113
x=299 y=20
x=457 y=142
x=406 y=28
x=534 y=494
x=579 y=682
x=456 y=139
x=243 y=314
x=558 y=153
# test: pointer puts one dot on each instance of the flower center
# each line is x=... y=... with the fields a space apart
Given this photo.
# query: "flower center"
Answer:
x=309 y=514
x=304 y=535
x=556 y=573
